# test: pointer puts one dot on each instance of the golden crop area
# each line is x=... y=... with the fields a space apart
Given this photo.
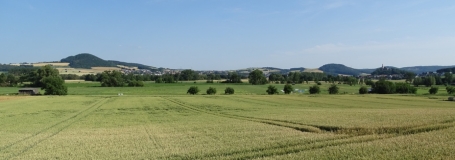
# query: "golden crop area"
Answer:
x=52 y=64
x=83 y=71
x=227 y=127
x=313 y=70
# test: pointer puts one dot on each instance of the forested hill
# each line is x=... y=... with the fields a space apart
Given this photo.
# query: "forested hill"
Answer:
x=420 y=69
x=86 y=60
x=446 y=70
x=339 y=69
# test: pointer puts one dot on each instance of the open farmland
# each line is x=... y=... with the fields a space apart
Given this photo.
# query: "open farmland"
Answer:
x=60 y=64
x=227 y=127
x=83 y=71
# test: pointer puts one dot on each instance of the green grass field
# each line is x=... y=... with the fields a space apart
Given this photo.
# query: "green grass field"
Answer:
x=159 y=121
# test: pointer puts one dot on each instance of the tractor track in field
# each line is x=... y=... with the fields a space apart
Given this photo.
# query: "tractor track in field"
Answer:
x=350 y=136
x=296 y=126
x=41 y=136
x=251 y=100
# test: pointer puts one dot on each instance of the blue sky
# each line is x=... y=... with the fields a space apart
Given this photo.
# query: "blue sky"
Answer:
x=231 y=34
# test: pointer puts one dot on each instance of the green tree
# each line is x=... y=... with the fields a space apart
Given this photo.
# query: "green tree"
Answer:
x=211 y=91
x=159 y=80
x=135 y=83
x=112 y=79
x=429 y=81
x=37 y=76
x=369 y=82
x=448 y=77
x=433 y=90
x=48 y=79
x=333 y=89
x=54 y=85
x=271 y=90
x=193 y=90
x=294 y=77
x=405 y=88
x=233 y=77
x=188 y=75
x=315 y=89
x=409 y=76
x=229 y=90
x=450 y=89
x=12 y=80
x=168 y=78
x=287 y=89
x=384 y=87
x=275 y=77
x=3 y=79
x=257 y=77
x=363 y=90
x=417 y=81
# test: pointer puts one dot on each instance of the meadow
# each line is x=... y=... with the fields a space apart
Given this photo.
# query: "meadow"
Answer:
x=160 y=121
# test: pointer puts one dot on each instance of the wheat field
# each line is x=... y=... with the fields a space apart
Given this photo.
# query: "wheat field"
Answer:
x=226 y=127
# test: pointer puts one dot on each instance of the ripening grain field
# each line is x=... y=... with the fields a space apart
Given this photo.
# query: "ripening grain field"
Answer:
x=227 y=127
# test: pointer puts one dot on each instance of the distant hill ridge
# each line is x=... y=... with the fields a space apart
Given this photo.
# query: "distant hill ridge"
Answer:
x=87 y=60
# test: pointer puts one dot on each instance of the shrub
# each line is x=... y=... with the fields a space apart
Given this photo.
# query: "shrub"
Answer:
x=384 y=87
x=319 y=83
x=209 y=81
x=136 y=84
x=271 y=90
x=333 y=89
x=433 y=90
x=315 y=89
x=450 y=89
x=287 y=89
x=229 y=90
x=405 y=88
x=193 y=90
x=363 y=90
x=369 y=82
x=211 y=90
x=451 y=98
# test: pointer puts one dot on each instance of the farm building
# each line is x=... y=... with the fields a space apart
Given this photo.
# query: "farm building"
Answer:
x=28 y=91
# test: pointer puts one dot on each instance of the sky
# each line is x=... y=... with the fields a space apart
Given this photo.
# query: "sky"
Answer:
x=231 y=34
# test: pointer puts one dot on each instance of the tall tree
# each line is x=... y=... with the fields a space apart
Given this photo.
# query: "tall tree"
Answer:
x=112 y=79
x=275 y=77
x=448 y=77
x=54 y=85
x=429 y=81
x=409 y=76
x=2 y=80
x=188 y=75
x=12 y=80
x=257 y=77
x=233 y=77
x=417 y=81
x=48 y=78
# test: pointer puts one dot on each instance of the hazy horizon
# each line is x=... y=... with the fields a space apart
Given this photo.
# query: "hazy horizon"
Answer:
x=226 y=35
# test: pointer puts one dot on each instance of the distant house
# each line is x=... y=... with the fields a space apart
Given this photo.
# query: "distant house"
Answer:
x=28 y=91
